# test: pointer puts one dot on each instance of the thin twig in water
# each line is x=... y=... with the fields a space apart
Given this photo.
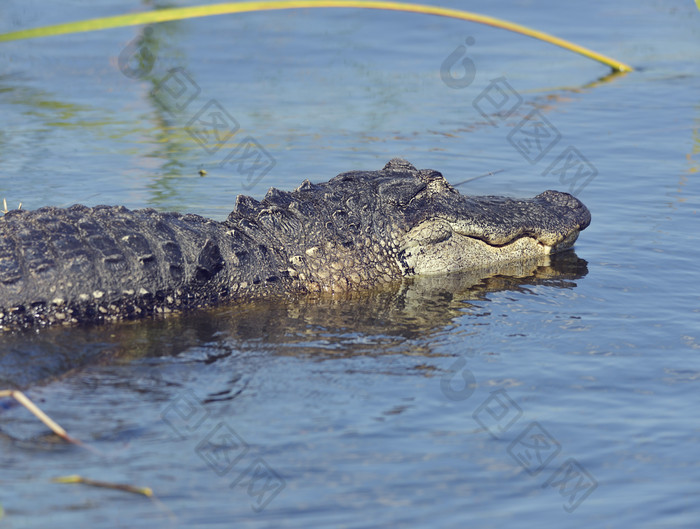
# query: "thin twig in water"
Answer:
x=146 y=491
x=4 y=207
x=490 y=173
x=58 y=430
x=48 y=421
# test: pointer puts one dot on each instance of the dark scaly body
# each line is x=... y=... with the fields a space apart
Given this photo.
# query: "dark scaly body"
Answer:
x=359 y=230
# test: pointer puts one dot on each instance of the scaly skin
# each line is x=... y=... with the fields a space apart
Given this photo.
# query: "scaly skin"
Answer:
x=359 y=230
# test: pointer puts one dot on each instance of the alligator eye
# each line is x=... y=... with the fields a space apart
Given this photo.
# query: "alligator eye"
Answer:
x=431 y=232
x=400 y=191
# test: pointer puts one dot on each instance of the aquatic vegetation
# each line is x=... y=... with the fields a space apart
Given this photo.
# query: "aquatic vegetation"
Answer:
x=164 y=15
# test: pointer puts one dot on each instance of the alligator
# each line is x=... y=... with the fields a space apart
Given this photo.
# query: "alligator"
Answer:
x=358 y=231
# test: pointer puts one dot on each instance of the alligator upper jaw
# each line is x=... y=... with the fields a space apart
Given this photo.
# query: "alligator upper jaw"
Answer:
x=551 y=241
x=554 y=219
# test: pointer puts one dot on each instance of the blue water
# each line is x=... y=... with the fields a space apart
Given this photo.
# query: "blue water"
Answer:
x=581 y=401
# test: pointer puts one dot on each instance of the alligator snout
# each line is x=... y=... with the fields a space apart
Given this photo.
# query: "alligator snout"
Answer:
x=565 y=200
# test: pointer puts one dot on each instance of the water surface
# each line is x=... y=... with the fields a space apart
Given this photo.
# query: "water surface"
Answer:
x=413 y=406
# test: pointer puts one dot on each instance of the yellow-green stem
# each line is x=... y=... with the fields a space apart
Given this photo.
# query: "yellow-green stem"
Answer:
x=164 y=15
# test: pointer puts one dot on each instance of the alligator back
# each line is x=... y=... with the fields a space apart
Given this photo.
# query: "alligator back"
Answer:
x=81 y=264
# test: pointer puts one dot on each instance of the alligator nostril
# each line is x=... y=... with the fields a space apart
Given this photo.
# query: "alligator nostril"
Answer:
x=560 y=199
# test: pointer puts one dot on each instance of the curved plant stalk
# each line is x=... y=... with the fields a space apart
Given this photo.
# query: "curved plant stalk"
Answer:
x=145 y=491
x=164 y=15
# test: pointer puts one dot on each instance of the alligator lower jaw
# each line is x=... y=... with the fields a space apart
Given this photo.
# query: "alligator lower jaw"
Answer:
x=565 y=244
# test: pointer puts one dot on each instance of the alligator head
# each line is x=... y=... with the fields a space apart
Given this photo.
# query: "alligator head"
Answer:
x=363 y=228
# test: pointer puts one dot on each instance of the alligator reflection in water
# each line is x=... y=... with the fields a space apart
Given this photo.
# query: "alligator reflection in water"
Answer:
x=399 y=318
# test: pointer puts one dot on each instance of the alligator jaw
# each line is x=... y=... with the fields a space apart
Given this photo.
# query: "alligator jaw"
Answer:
x=439 y=246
